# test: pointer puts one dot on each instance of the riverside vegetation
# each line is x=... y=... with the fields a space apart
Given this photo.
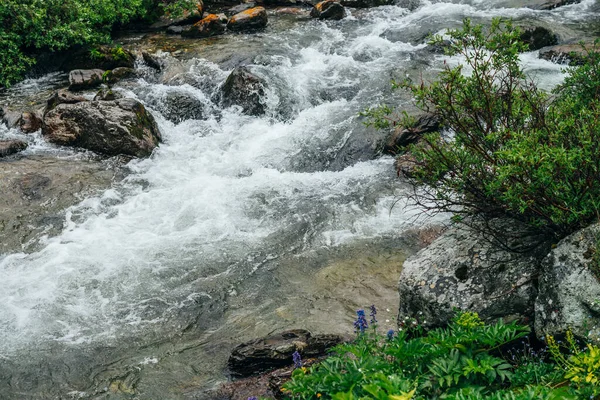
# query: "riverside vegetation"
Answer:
x=506 y=149
x=28 y=27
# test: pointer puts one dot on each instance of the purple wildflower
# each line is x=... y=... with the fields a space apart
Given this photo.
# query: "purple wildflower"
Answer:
x=361 y=322
x=253 y=398
x=297 y=359
x=373 y=313
x=390 y=334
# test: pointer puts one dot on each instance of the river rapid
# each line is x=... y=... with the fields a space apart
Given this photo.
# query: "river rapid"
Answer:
x=237 y=226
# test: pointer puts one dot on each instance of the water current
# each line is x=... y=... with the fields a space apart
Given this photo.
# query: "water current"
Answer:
x=237 y=225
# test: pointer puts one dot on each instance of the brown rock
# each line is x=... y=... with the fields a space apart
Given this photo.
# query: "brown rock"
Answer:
x=115 y=127
x=10 y=147
x=85 y=78
x=328 y=9
x=276 y=351
x=244 y=89
x=30 y=122
x=251 y=19
x=62 y=97
x=209 y=26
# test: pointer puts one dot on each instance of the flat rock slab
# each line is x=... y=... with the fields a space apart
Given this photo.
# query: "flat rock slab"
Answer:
x=35 y=192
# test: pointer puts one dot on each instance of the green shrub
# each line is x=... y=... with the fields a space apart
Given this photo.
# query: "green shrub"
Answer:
x=468 y=360
x=27 y=26
x=508 y=148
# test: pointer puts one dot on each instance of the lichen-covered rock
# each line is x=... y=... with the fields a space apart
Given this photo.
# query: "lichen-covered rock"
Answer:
x=243 y=88
x=115 y=127
x=247 y=20
x=462 y=269
x=85 y=78
x=538 y=37
x=10 y=147
x=211 y=25
x=328 y=9
x=276 y=351
x=569 y=292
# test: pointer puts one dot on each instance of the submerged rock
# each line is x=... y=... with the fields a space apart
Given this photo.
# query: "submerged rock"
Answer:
x=251 y=19
x=177 y=106
x=211 y=25
x=365 y=3
x=109 y=127
x=151 y=61
x=569 y=292
x=243 y=88
x=328 y=9
x=10 y=147
x=276 y=351
x=85 y=78
x=538 y=37
x=463 y=270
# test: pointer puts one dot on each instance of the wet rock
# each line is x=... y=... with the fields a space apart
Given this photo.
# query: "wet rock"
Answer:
x=538 y=37
x=569 y=292
x=251 y=19
x=404 y=136
x=177 y=106
x=10 y=147
x=571 y=54
x=302 y=12
x=120 y=73
x=462 y=269
x=243 y=88
x=62 y=97
x=151 y=61
x=99 y=57
x=211 y=25
x=35 y=192
x=365 y=3
x=240 y=8
x=10 y=117
x=30 y=122
x=115 y=127
x=85 y=78
x=106 y=95
x=276 y=351
x=176 y=29
x=328 y=9
x=552 y=4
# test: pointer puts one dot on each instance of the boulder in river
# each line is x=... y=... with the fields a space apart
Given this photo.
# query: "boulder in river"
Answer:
x=10 y=147
x=276 y=351
x=245 y=89
x=571 y=54
x=328 y=9
x=404 y=136
x=552 y=4
x=538 y=37
x=211 y=25
x=85 y=78
x=121 y=126
x=463 y=270
x=30 y=122
x=176 y=105
x=569 y=290
x=247 y=20
x=62 y=97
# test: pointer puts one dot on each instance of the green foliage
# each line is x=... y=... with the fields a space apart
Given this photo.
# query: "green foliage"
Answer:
x=27 y=26
x=508 y=148
x=465 y=361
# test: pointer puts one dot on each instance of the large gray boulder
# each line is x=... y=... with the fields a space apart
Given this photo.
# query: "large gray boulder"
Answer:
x=121 y=126
x=569 y=293
x=85 y=78
x=463 y=270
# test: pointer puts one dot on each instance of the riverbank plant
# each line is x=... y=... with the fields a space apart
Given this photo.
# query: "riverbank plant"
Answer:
x=468 y=360
x=507 y=148
x=31 y=26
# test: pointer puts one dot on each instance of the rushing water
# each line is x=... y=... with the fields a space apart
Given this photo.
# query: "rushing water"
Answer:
x=237 y=226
